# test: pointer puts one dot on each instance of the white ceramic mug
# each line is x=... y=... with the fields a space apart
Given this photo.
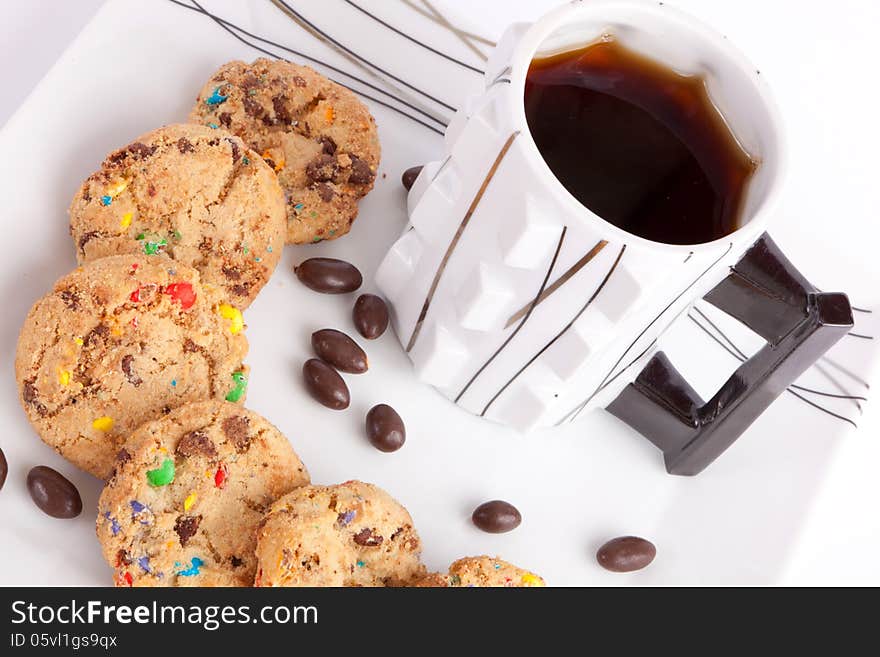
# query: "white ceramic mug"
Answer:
x=512 y=298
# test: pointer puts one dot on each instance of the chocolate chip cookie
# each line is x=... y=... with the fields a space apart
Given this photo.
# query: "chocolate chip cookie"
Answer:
x=319 y=138
x=482 y=571
x=353 y=534
x=187 y=495
x=118 y=342
x=197 y=195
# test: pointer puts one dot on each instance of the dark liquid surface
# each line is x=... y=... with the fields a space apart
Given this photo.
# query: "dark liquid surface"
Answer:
x=638 y=144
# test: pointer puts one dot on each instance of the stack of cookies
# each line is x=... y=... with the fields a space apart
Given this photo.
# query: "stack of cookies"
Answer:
x=132 y=367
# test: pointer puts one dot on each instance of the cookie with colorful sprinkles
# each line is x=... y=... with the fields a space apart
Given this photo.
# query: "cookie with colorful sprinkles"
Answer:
x=188 y=493
x=483 y=571
x=120 y=341
x=353 y=534
x=318 y=136
x=195 y=194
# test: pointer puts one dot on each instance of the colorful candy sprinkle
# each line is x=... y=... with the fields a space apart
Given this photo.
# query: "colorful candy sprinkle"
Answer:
x=220 y=476
x=64 y=377
x=124 y=579
x=238 y=388
x=144 y=563
x=102 y=423
x=173 y=383
x=213 y=125
x=183 y=293
x=329 y=114
x=189 y=501
x=346 y=518
x=153 y=248
x=106 y=200
x=298 y=207
x=163 y=475
x=531 y=580
x=360 y=564
x=141 y=513
x=114 y=526
x=78 y=341
x=117 y=187
x=245 y=160
x=126 y=220
x=195 y=564
x=234 y=315
x=216 y=98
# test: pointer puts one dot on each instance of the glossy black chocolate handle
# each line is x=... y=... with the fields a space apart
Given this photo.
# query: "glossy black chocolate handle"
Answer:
x=769 y=295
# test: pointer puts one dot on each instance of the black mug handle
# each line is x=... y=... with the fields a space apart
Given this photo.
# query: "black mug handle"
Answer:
x=768 y=294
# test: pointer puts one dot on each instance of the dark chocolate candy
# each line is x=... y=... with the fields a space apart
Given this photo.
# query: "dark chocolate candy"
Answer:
x=409 y=177
x=329 y=275
x=370 y=316
x=53 y=493
x=626 y=554
x=385 y=429
x=340 y=351
x=325 y=385
x=496 y=517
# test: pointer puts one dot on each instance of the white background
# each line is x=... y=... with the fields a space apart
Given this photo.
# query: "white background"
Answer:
x=840 y=542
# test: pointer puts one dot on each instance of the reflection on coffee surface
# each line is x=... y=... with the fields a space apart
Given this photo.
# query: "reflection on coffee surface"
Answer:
x=640 y=145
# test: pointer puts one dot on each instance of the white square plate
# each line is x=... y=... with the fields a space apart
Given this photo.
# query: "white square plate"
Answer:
x=755 y=517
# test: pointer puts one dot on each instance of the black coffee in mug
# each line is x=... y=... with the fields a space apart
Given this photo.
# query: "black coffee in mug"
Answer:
x=639 y=144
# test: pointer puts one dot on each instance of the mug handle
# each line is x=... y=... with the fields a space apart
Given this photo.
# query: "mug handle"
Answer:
x=768 y=294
